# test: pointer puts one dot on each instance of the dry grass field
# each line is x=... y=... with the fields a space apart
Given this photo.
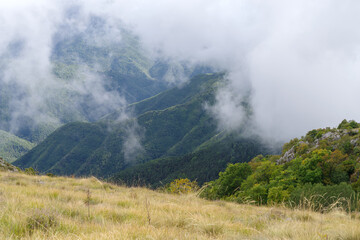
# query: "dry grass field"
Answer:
x=41 y=207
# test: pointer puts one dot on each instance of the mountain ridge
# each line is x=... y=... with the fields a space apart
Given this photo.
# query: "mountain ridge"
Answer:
x=161 y=130
x=13 y=147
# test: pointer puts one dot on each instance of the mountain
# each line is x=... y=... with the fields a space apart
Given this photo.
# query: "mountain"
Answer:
x=81 y=71
x=13 y=147
x=125 y=66
x=170 y=129
x=202 y=164
x=90 y=75
x=321 y=170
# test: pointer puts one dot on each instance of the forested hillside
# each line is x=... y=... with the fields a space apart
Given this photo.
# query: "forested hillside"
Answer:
x=203 y=164
x=87 y=80
x=80 y=71
x=12 y=147
x=171 y=135
x=321 y=169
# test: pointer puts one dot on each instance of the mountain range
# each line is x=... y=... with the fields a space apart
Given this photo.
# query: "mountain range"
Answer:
x=88 y=80
x=111 y=109
x=170 y=135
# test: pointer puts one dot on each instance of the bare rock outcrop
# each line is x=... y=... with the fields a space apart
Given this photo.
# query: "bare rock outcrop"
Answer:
x=288 y=156
x=332 y=135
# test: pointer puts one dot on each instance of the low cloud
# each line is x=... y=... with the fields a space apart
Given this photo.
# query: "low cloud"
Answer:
x=32 y=91
x=298 y=59
x=132 y=146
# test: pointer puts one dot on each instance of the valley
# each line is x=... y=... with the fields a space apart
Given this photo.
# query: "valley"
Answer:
x=171 y=132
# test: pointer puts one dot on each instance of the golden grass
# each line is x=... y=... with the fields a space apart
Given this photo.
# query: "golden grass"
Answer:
x=40 y=207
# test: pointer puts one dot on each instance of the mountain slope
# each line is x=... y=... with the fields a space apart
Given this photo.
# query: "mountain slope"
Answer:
x=169 y=128
x=203 y=164
x=201 y=86
x=12 y=147
x=63 y=145
x=87 y=80
x=321 y=169
x=124 y=65
x=89 y=76
x=162 y=129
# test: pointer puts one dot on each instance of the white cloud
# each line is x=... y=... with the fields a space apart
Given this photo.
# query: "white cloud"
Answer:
x=300 y=58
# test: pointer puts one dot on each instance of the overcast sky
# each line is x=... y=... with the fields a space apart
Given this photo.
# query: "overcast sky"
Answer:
x=300 y=59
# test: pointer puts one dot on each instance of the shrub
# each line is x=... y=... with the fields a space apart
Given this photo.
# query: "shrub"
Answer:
x=347 y=147
x=289 y=145
x=31 y=171
x=348 y=125
x=353 y=124
x=302 y=148
x=183 y=185
x=310 y=136
x=343 y=124
x=258 y=194
x=357 y=151
x=277 y=195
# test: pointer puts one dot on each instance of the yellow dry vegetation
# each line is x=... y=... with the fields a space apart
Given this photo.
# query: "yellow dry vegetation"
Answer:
x=41 y=207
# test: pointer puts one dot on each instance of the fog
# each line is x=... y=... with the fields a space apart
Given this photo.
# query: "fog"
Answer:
x=298 y=60
x=28 y=30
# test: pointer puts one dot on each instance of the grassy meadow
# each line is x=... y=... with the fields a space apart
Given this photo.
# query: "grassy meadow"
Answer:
x=42 y=207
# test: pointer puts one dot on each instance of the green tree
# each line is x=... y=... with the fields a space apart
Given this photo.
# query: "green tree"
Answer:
x=309 y=170
x=228 y=182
